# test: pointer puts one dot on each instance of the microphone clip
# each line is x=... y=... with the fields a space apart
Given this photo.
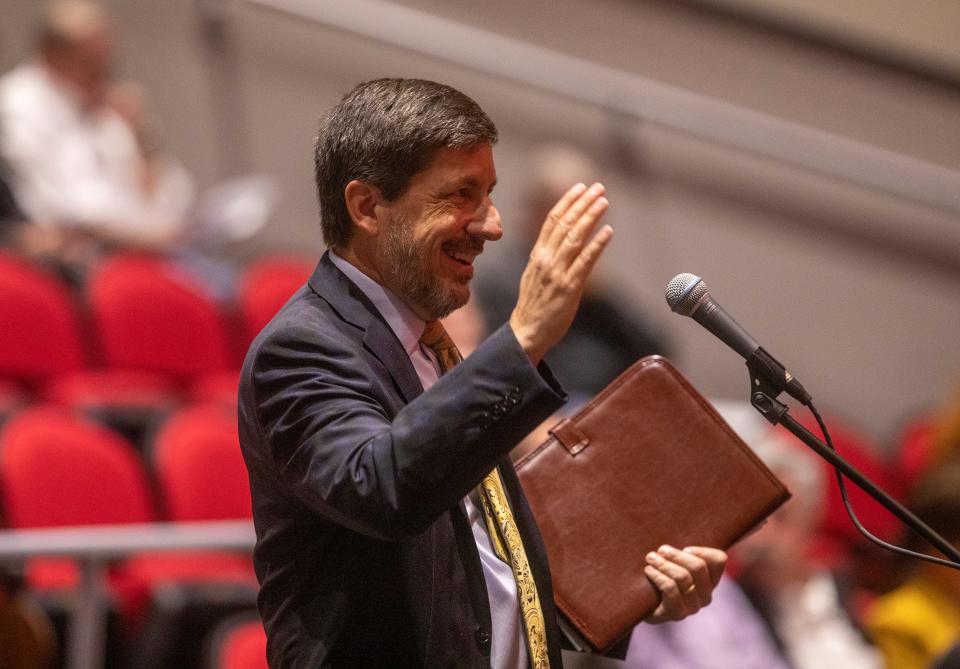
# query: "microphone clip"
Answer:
x=764 y=390
x=769 y=377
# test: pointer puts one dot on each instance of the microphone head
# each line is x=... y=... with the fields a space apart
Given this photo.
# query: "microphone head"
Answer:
x=684 y=292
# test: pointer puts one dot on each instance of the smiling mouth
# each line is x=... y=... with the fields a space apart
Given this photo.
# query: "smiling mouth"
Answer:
x=462 y=257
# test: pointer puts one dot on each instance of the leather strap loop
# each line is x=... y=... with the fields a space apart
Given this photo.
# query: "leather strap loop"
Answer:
x=570 y=437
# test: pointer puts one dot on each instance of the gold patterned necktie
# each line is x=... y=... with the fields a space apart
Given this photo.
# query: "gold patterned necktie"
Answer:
x=499 y=519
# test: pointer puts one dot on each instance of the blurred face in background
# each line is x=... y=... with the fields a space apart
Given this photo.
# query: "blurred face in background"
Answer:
x=87 y=64
x=780 y=553
x=76 y=43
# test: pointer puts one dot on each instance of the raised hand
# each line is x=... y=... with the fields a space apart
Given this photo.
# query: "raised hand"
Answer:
x=560 y=262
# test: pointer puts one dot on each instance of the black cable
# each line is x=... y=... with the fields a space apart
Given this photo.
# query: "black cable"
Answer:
x=853 y=516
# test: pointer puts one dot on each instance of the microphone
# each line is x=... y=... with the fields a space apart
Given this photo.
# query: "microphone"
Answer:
x=687 y=295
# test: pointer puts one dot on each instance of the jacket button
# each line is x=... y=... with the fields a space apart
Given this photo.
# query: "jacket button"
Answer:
x=482 y=636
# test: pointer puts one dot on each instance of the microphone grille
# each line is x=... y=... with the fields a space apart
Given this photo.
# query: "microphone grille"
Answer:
x=684 y=291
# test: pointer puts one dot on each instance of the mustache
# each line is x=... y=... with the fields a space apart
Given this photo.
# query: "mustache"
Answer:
x=472 y=244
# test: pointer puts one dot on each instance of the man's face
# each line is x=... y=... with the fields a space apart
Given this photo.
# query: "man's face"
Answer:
x=87 y=65
x=432 y=233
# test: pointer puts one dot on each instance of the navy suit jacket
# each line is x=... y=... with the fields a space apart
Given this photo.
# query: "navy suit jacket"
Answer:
x=364 y=554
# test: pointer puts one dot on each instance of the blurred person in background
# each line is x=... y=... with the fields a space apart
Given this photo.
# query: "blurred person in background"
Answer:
x=805 y=605
x=83 y=153
x=918 y=622
x=603 y=331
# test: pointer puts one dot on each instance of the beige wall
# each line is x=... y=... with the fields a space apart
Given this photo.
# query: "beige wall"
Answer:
x=856 y=291
x=922 y=33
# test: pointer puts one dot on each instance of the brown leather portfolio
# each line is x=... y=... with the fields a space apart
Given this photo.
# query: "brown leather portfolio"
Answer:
x=647 y=462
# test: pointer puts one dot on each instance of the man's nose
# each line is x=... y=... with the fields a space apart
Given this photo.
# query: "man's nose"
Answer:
x=487 y=226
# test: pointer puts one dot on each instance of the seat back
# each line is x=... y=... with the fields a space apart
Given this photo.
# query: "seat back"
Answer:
x=238 y=643
x=198 y=465
x=39 y=323
x=58 y=469
x=266 y=286
x=150 y=317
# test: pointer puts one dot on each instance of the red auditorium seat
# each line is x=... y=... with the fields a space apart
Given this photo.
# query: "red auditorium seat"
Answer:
x=57 y=469
x=42 y=349
x=238 y=643
x=200 y=475
x=103 y=389
x=198 y=465
x=40 y=337
x=266 y=285
x=60 y=469
x=221 y=387
x=148 y=316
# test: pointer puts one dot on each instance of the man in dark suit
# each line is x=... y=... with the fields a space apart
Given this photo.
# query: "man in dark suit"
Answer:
x=374 y=545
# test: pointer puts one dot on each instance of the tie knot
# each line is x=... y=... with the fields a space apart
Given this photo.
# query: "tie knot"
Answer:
x=435 y=338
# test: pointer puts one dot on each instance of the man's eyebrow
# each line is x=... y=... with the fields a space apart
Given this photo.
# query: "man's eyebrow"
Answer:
x=467 y=180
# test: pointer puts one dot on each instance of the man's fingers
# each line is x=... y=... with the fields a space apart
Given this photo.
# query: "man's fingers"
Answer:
x=671 y=599
x=685 y=579
x=715 y=558
x=558 y=211
x=690 y=575
x=572 y=220
x=690 y=571
x=583 y=264
x=580 y=231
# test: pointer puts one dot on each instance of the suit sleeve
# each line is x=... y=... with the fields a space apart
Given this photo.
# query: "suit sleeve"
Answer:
x=335 y=448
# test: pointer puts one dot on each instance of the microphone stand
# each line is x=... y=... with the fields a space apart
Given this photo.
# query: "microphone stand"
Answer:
x=763 y=397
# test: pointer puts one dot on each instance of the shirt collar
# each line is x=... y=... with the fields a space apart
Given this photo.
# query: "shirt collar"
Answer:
x=402 y=320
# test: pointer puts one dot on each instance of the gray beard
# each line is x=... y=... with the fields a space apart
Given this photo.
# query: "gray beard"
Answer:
x=417 y=286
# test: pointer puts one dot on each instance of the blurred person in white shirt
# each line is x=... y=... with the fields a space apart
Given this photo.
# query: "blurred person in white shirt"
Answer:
x=83 y=153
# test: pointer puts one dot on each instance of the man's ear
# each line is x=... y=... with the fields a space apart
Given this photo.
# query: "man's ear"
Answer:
x=362 y=199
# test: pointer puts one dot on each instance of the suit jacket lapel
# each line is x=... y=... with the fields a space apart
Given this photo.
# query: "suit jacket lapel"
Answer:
x=354 y=307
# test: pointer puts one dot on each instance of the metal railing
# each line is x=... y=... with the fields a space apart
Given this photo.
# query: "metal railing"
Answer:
x=94 y=546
